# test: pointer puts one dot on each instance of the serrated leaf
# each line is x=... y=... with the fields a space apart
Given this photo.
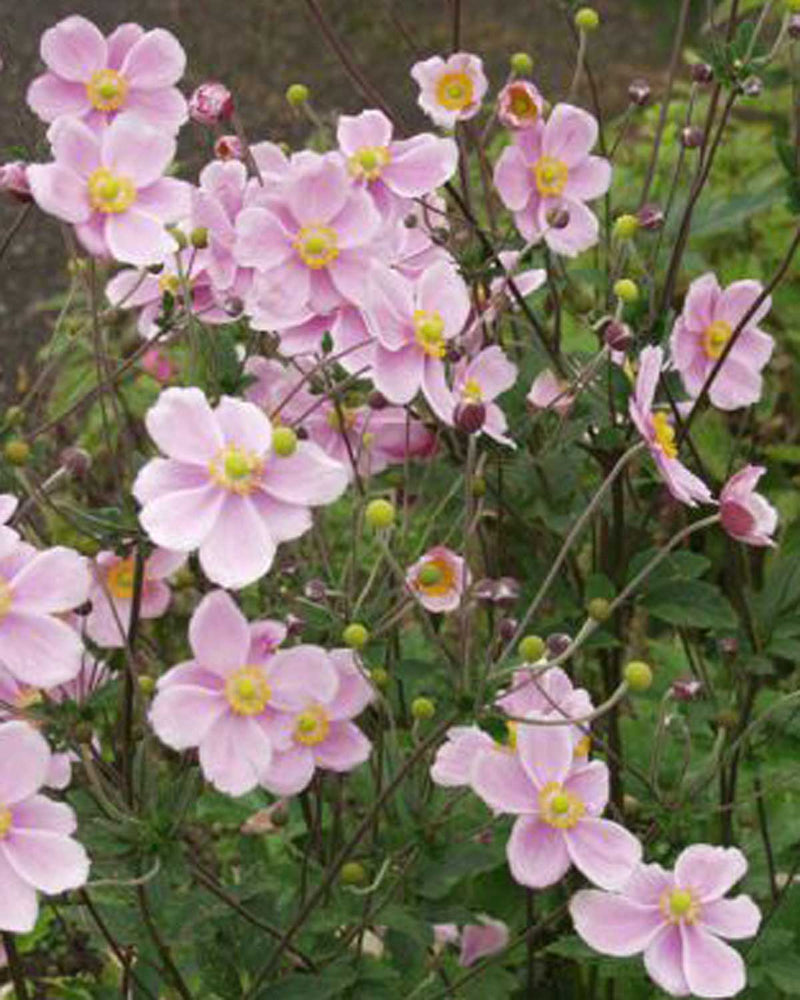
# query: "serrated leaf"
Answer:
x=692 y=604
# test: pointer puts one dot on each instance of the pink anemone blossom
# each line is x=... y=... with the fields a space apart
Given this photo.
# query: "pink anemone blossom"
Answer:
x=677 y=920
x=37 y=850
x=745 y=514
x=222 y=490
x=413 y=322
x=321 y=733
x=112 y=593
x=558 y=808
x=479 y=382
x=16 y=702
x=216 y=204
x=450 y=90
x=659 y=434
x=229 y=700
x=110 y=187
x=96 y=78
x=520 y=105
x=546 y=176
x=548 y=392
x=439 y=579
x=489 y=937
x=393 y=171
x=701 y=333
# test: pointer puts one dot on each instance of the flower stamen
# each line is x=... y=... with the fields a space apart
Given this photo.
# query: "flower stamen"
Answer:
x=247 y=691
x=664 y=434
x=236 y=470
x=429 y=332
x=311 y=726
x=551 y=176
x=716 y=336
x=107 y=90
x=558 y=807
x=368 y=162
x=455 y=91
x=110 y=193
x=317 y=246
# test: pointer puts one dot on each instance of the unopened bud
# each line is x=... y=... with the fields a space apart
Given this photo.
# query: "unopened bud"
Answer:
x=229 y=147
x=686 y=689
x=76 y=461
x=557 y=644
x=353 y=873
x=379 y=677
x=692 y=137
x=297 y=94
x=233 y=305
x=532 y=648
x=618 y=336
x=355 y=636
x=199 y=238
x=794 y=26
x=469 y=416
x=423 y=709
x=284 y=441
x=651 y=217
x=626 y=290
x=506 y=592
x=146 y=685
x=507 y=628
x=599 y=609
x=702 y=73
x=211 y=103
x=793 y=6
x=377 y=401
x=17 y=452
x=315 y=590
x=295 y=625
x=379 y=514
x=14 y=181
x=557 y=218
x=753 y=86
x=626 y=227
x=587 y=19
x=521 y=63
x=639 y=92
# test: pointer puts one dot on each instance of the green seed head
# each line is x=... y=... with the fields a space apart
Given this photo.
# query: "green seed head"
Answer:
x=355 y=636
x=522 y=63
x=587 y=19
x=423 y=709
x=379 y=514
x=284 y=441
x=297 y=94
x=638 y=676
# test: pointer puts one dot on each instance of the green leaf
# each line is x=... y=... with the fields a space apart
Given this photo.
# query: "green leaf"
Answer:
x=467 y=860
x=327 y=985
x=692 y=604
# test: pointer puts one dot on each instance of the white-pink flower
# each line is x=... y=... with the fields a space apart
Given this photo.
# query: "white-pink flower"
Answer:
x=439 y=579
x=479 y=382
x=677 y=919
x=96 y=78
x=520 y=105
x=451 y=90
x=37 y=850
x=745 y=514
x=222 y=490
x=110 y=186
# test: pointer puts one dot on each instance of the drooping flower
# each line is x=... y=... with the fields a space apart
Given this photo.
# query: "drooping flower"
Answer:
x=393 y=171
x=96 y=78
x=111 y=187
x=709 y=319
x=480 y=381
x=451 y=90
x=659 y=434
x=520 y=105
x=413 y=323
x=37 y=850
x=439 y=579
x=229 y=700
x=677 y=919
x=112 y=593
x=546 y=176
x=745 y=514
x=321 y=733
x=548 y=392
x=223 y=490
x=559 y=809
x=36 y=647
x=489 y=937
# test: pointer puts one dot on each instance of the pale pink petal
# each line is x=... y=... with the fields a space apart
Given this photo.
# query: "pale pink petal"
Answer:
x=580 y=233
x=648 y=883
x=301 y=675
x=357 y=222
x=307 y=477
x=51 y=97
x=48 y=861
x=398 y=374
x=613 y=924
x=569 y=134
x=709 y=872
x=370 y=128
x=285 y=521
x=239 y=549
x=650 y=362
x=701 y=303
x=261 y=240
x=590 y=784
x=481 y=940
x=731 y=918
x=493 y=372
x=134 y=237
x=513 y=178
x=499 y=779
x=442 y=289
x=663 y=959
x=182 y=715
x=452 y=767
x=156 y=60
x=738 y=299
x=536 y=853
x=605 y=852
x=74 y=48
x=75 y=145
x=354 y=692
x=420 y=165
x=39 y=650
x=712 y=968
x=39 y=812
x=29 y=751
x=290 y=771
x=183 y=426
x=164 y=109
x=545 y=752
x=219 y=634
x=137 y=151
x=121 y=41
x=589 y=179
x=53 y=581
x=59 y=191
x=167 y=199
x=318 y=191
x=244 y=425
x=235 y=753
x=18 y=906
x=167 y=475
x=344 y=748
x=183 y=520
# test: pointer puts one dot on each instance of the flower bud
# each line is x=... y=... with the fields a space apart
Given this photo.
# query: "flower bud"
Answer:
x=557 y=218
x=315 y=590
x=686 y=689
x=587 y=19
x=650 y=217
x=521 y=63
x=469 y=416
x=599 y=609
x=355 y=636
x=626 y=227
x=198 y=237
x=617 y=335
x=379 y=677
x=17 y=452
x=702 y=73
x=379 y=514
x=692 y=137
x=728 y=718
x=626 y=290
x=752 y=86
x=507 y=628
x=639 y=92
x=146 y=685
x=297 y=94
x=295 y=625
x=13 y=416
x=423 y=709
x=211 y=103
x=233 y=305
x=477 y=486
x=229 y=147
x=638 y=675
x=353 y=873
x=506 y=592
x=794 y=26
x=377 y=401
x=14 y=181
x=532 y=648
x=76 y=461
x=557 y=644
x=284 y=441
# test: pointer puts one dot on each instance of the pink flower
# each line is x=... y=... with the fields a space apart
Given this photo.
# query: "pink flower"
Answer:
x=677 y=920
x=98 y=78
x=439 y=579
x=222 y=490
x=216 y=204
x=549 y=692
x=745 y=514
x=157 y=364
x=500 y=294
x=546 y=175
x=229 y=700
x=211 y=103
x=656 y=429
x=16 y=702
x=550 y=393
x=112 y=593
x=37 y=851
x=520 y=105
x=700 y=334
x=393 y=171
x=320 y=734
x=480 y=381
x=481 y=940
x=450 y=90
x=413 y=323
x=452 y=766
x=14 y=181
x=110 y=187
x=36 y=647
x=558 y=809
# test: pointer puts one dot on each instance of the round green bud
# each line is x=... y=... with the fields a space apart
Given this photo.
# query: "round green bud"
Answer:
x=587 y=19
x=379 y=677
x=626 y=227
x=626 y=290
x=638 y=675
x=423 y=709
x=522 y=63
x=599 y=609
x=355 y=636
x=146 y=684
x=532 y=648
x=353 y=873
x=297 y=94
x=199 y=238
x=284 y=441
x=380 y=514
x=478 y=486
x=14 y=416
x=17 y=452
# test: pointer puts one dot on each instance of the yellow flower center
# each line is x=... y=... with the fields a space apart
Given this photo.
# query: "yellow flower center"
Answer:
x=429 y=331
x=455 y=91
x=311 y=726
x=522 y=105
x=665 y=434
x=716 y=337
x=472 y=391
x=436 y=578
x=343 y=419
x=247 y=691
x=368 y=162
x=236 y=470
x=110 y=193
x=119 y=579
x=6 y=819
x=582 y=747
x=6 y=598
x=28 y=697
x=107 y=90
x=679 y=905
x=551 y=175
x=316 y=246
x=511 y=735
x=558 y=807
x=169 y=283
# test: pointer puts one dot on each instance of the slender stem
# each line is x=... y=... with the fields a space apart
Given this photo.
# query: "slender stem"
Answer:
x=15 y=966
